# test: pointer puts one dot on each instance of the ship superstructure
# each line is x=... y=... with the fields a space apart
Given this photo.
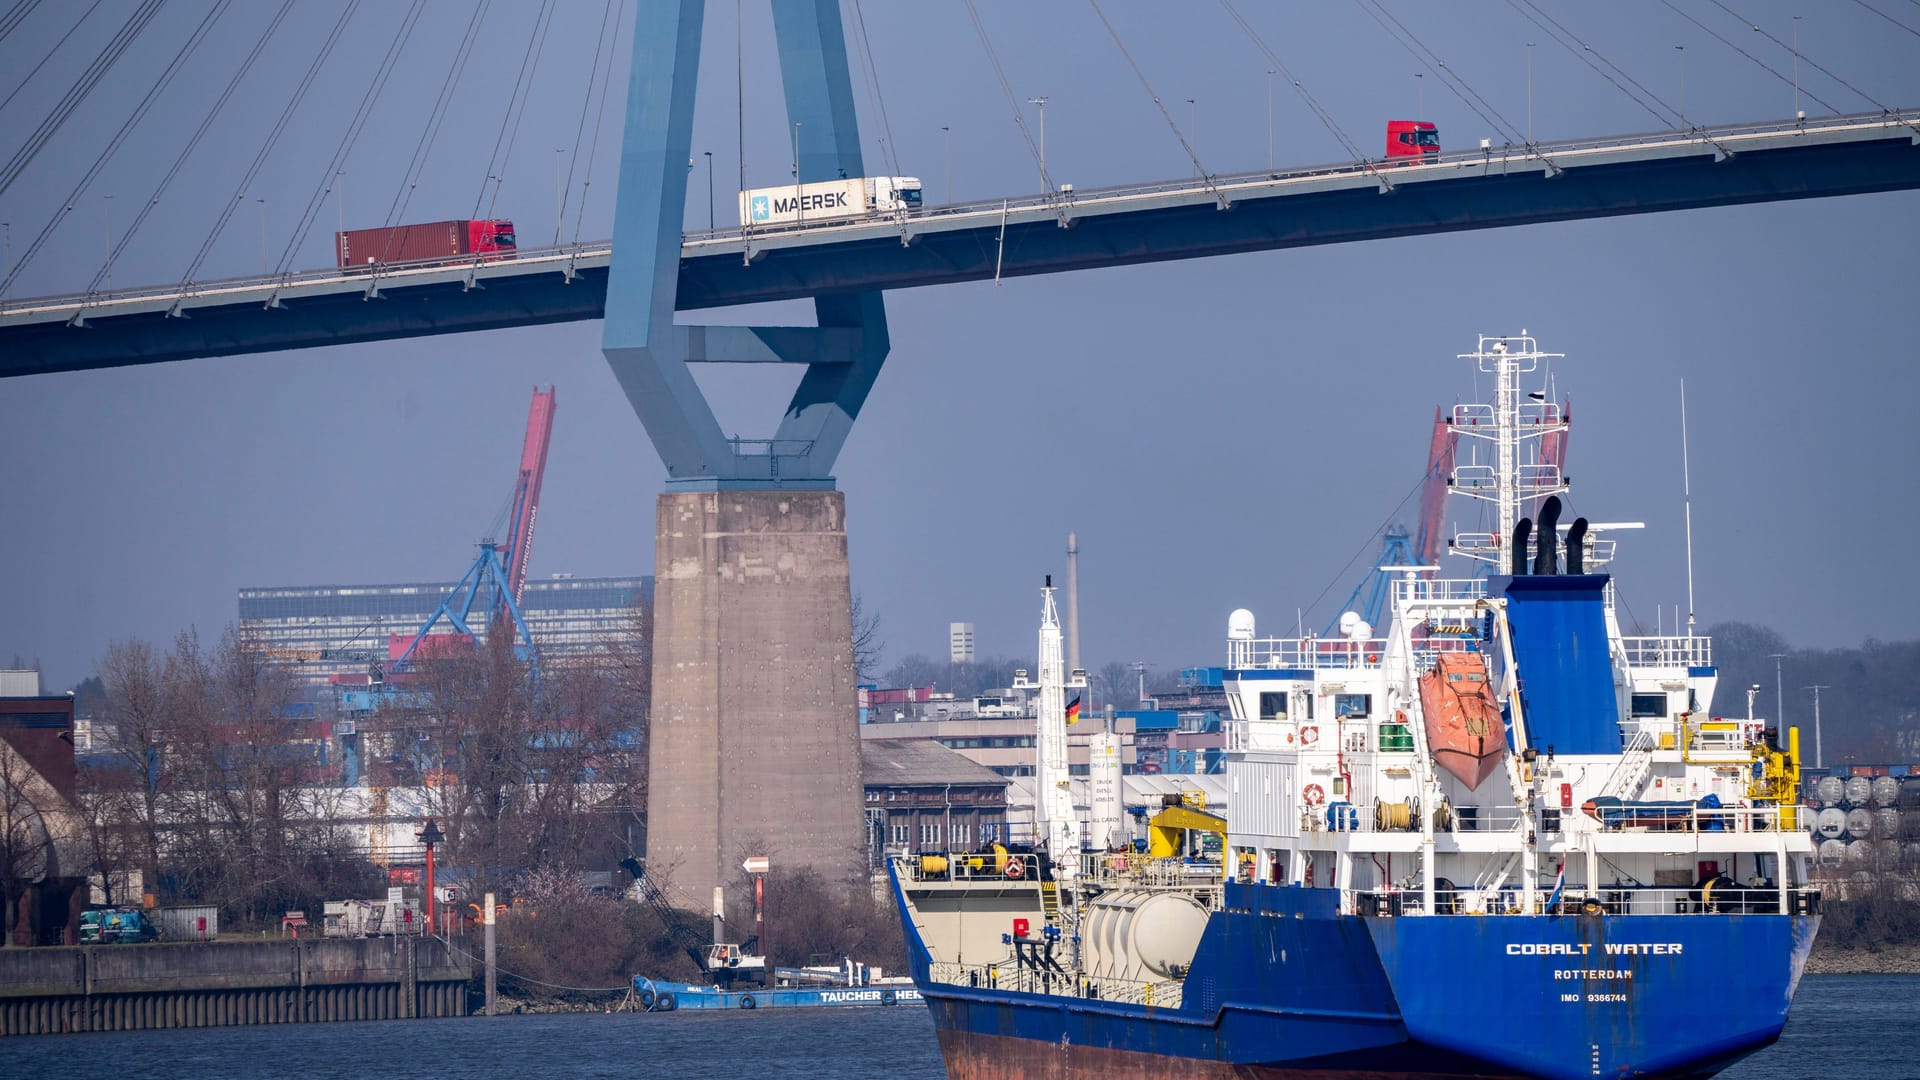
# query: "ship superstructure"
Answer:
x=1499 y=838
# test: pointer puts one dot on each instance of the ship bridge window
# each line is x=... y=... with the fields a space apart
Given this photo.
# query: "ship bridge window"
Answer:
x=1649 y=705
x=1273 y=704
x=1352 y=706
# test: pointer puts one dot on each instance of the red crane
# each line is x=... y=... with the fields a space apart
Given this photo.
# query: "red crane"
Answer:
x=526 y=491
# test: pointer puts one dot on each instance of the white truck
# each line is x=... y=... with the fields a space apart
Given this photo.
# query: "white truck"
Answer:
x=831 y=200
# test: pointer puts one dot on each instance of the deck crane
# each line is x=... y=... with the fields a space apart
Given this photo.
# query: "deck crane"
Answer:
x=500 y=568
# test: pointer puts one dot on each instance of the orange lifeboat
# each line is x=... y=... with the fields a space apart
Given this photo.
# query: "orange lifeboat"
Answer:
x=1463 y=722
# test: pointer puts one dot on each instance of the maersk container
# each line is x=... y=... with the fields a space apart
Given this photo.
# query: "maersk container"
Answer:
x=430 y=240
x=831 y=200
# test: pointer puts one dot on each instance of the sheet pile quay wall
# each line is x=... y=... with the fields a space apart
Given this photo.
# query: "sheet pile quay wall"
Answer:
x=130 y=987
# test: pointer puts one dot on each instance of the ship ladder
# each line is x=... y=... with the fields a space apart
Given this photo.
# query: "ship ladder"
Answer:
x=1050 y=902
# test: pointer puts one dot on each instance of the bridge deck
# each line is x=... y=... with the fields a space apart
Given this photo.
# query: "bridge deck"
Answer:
x=1194 y=218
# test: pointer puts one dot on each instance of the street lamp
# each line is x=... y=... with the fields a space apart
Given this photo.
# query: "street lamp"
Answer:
x=947 y=132
x=1529 y=93
x=1042 y=102
x=709 y=155
x=1269 y=119
x=263 y=236
x=106 y=236
x=1682 y=50
x=798 y=213
x=1819 y=762
x=1419 y=96
x=1779 y=701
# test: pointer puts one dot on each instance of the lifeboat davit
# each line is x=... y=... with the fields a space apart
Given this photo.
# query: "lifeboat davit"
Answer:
x=1463 y=723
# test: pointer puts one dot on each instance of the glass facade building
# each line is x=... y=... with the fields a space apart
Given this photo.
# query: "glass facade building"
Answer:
x=324 y=630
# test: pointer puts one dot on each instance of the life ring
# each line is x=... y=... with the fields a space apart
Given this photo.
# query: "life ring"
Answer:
x=886 y=997
x=1314 y=794
x=747 y=1002
x=1373 y=658
x=1309 y=735
x=665 y=1002
x=1016 y=869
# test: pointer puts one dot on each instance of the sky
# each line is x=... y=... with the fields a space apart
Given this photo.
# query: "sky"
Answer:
x=1222 y=433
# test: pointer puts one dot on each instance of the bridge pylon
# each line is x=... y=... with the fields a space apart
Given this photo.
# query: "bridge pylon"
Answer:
x=754 y=746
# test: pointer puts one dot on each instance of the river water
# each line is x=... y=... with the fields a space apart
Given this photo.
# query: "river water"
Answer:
x=1844 y=1027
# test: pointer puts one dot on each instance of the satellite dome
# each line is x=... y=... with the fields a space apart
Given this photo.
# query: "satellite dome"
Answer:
x=1240 y=625
x=1347 y=622
x=1361 y=630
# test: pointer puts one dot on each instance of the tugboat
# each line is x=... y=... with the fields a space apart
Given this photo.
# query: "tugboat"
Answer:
x=1574 y=867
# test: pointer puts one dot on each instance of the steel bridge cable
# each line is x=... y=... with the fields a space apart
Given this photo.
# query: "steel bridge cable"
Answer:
x=1449 y=78
x=606 y=79
x=126 y=128
x=870 y=74
x=1811 y=62
x=513 y=139
x=423 y=147
x=1762 y=64
x=48 y=55
x=77 y=93
x=279 y=128
x=1889 y=18
x=580 y=127
x=348 y=139
x=1567 y=39
x=1006 y=88
x=1300 y=88
x=14 y=15
x=1205 y=177
x=193 y=143
x=510 y=119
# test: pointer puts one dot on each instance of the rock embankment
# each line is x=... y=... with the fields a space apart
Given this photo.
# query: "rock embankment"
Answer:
x=1901 y=959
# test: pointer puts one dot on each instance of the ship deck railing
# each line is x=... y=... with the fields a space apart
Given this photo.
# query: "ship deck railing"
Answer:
x=1012 y=869
x=1618 y=899
x=1135 y=869
x=1008 y=975
x=1629 y=816
x=1668 y=651
x=1313 y=653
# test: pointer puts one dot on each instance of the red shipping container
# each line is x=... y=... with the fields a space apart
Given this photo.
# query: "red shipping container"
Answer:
x=429 y=240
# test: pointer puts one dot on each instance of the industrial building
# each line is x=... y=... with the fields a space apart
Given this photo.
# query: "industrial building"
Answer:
x=920 y=796
x=327 y=630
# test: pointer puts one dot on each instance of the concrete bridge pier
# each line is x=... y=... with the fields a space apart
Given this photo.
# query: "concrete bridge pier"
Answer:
x=754 y=744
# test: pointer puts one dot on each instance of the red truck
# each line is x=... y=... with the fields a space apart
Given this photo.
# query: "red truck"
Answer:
x=432 y=240
x=1412 y=141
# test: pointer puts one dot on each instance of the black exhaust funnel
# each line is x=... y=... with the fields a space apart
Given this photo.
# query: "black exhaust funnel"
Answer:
x=1546 y=556
x=1521 y=529
x=1577 y=547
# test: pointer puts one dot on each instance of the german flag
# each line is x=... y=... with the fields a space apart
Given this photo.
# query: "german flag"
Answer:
x=1073 y=710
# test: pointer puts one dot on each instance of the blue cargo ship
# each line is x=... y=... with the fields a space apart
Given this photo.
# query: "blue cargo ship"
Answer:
x=1499 y=838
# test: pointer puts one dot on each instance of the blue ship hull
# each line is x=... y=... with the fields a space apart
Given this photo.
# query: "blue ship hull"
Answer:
x=1284 y=986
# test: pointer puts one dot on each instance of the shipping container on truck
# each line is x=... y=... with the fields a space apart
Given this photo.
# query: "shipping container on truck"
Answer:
x=830 y=200
x=429 y=240
x=1412 y=141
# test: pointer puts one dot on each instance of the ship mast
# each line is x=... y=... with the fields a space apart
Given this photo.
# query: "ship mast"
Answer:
x=1055 y=819
x=1514 y=424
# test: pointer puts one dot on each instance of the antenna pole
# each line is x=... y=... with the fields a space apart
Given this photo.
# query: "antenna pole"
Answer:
x=1818 y=760
x=1686 y=489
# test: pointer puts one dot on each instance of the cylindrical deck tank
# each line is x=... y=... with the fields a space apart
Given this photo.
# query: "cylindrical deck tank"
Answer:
x=1830 y=823
x=1887 y=853
x=1830 y=790
x=1860 y=853
x=1886 y=790
x=1860 y=823
x=1910 y=824
x=1859 y=790
x=1886 y=823
x=1833 y=852
x=1144 y=934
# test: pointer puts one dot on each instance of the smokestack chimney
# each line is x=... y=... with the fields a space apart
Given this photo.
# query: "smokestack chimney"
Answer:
x=1546 y=556
x=1521 y=530
x=1073 y=601
x=1577 y=547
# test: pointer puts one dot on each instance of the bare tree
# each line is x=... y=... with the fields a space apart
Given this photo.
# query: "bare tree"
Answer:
x=868 y=648
x=26 y=842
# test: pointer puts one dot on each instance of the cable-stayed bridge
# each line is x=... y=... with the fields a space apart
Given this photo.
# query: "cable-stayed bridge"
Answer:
x=1014 y=237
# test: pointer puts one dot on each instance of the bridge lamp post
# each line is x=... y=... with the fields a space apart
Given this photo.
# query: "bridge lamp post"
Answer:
x=799 y=213
x=1269 y=119
x=1419 y=96
x=340 y=205
x=1193 y=132
x=947 y=133
x=1798 y=113
x=263 y=236
x=1042 y=102
x=106 y=237
x=7 y=226
x=709 y=156
x=1682 y=50
x=1529 y=93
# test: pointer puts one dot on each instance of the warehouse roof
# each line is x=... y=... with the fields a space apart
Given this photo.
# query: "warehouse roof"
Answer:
x=920 y=763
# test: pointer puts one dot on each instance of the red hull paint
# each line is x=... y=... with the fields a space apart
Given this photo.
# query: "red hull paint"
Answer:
x=972 y=1056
